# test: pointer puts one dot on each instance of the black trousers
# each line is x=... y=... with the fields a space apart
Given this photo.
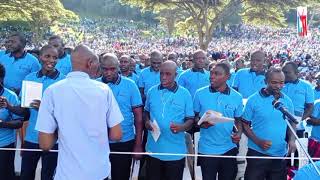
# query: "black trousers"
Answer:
x=120 y=164
x=30 y=162
x=268 y=169
x=164 y=170
x=7 y=163
x=226 y=168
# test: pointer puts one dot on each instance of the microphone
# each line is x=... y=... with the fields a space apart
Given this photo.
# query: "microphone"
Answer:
x=279 y=106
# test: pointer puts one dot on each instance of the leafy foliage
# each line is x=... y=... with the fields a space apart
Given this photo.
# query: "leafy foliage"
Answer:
x=40 y=14
x=205 y=15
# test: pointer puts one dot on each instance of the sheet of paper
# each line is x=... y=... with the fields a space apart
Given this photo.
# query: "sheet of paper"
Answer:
x=156 y=130
x=30 y=91
x=213 y=117
x=135 y=166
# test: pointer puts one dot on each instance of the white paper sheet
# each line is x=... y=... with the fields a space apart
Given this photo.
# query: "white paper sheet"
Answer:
x=213 y=117
x=156 y=130
x=30 y=91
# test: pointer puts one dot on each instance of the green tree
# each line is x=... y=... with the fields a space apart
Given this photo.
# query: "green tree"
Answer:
x=205 y=15
x=40 y=14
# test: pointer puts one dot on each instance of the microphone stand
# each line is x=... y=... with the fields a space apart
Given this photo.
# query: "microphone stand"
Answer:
x=276 y=105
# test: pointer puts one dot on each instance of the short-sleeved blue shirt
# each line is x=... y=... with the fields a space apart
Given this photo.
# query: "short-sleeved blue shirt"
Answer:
x=267 y=122
x=217 y=139
x=8 y=136
x=139 y=69
x=307 y=172
x=18 y=69
x=64 y=64
x=230 y=80
x=31 y=133
x=194 y=80
x=148 y=78
x=315 y=133
x=316 y=93
x=248 y=82
x=134 y=77
x=128 y=97
x=301 y=93
x=166 y=107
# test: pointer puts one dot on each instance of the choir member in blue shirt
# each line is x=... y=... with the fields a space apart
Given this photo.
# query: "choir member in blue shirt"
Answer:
x=18 y=63
x=150 y=76
x=48 y=75
x=128 y=97
x=300 y=92
x=64 y=59
x=314 y=139
x=8 y=123
x=219 y=139
x=125 y=68
x=168 y=105
x=247 y=81
x=196 y=77
x=266 y=129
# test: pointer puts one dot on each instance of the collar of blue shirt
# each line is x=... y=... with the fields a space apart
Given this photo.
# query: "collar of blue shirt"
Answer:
x=264 y=93
x=172 y=89
x=116 y=82
x=20 y=57
x=197 y=70
x=54 y=75
x=293 y=82
x=257 y=73
x=225 y=91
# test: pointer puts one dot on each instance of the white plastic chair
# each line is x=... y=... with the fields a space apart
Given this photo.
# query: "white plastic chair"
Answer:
x=301 y=154
x=197 y=169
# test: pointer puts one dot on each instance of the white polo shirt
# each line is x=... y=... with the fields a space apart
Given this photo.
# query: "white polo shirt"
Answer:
x=82 y=110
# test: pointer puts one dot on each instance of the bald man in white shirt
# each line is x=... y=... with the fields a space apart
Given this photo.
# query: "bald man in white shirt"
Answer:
x=84 y=114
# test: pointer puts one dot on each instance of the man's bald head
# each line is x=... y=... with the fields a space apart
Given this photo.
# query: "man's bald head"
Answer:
x=85 y=60
x=168 y=73
x=199 y=59
x=109 y=66
x=109 y=58
x=170 y=65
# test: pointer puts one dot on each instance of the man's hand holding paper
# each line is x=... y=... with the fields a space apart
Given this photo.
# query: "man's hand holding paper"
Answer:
x=155 y=130
x=210 y=118
x=31 y=94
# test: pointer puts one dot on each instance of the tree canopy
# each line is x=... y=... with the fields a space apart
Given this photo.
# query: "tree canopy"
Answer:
x=205 y=15
x=39 y=14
